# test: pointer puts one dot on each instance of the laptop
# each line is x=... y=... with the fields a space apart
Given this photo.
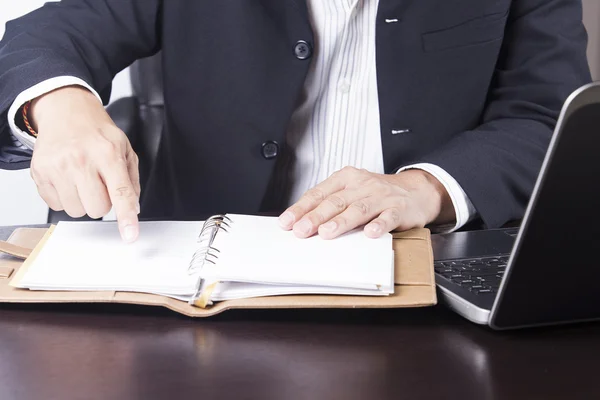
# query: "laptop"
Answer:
x=548 y=270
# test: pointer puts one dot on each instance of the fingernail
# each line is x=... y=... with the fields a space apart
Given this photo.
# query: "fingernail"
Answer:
x=286 y=219
x=303 y=227
x=129 y=234
x=137 y=207
x=374 y=228
x=330 y=226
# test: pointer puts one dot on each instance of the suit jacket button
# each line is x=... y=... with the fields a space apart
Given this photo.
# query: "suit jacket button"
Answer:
x=302 y=50
x=270 y=149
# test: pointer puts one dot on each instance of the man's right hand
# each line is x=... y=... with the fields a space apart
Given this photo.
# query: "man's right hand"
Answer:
x=82 y=163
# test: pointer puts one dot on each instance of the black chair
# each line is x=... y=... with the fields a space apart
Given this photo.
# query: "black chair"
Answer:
x=140 y=117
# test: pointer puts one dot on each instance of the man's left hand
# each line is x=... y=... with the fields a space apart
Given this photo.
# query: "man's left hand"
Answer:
x=351 y=198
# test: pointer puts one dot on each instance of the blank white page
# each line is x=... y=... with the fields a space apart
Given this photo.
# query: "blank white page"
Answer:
x=256 y=249
x=92 y=256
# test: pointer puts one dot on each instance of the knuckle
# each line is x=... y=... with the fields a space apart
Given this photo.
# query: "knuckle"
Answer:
x=393 y=215
x=372 y=180
x=115 y=133
x=41 y=164
x=107 y=131
x=349 y=170
x=316 y=217
x=315 y=195
x=364 y=178
x=71 y=157
x=62 y=164
x=361 y=207
x=336 y=202
x=113 y=159
x=120 y=160
x=401 y=203
x=123 y=192
x=295 y=210
x=400 y=191
x=383 y=188
x=78 y=157
x=108 y=148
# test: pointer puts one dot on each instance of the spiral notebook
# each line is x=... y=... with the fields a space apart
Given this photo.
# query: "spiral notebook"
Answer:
x=226 y=257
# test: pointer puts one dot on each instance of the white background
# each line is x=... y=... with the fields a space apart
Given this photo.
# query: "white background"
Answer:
x=19 y=201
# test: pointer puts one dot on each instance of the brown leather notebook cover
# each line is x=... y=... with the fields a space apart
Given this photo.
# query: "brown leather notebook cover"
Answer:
x=414 y=282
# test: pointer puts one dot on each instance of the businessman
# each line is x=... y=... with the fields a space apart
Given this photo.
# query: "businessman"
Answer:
x=338 y=114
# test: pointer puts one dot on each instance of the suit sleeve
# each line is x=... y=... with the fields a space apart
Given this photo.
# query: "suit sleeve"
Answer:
x=91 y=40
x=542 y=61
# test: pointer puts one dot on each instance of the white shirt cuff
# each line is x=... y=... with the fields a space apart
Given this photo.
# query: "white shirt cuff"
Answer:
x=36 y=91
x=463 y=208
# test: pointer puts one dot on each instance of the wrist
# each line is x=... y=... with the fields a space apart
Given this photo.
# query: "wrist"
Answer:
x=44 y=107
x=439 y=206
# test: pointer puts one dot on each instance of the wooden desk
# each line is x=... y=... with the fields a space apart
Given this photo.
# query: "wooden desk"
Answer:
x=123 y=352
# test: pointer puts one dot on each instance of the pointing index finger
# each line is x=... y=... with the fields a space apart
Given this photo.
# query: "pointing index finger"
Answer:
x=123 y=198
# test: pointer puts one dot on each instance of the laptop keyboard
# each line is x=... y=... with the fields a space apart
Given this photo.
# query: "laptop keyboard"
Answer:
x=478 y=275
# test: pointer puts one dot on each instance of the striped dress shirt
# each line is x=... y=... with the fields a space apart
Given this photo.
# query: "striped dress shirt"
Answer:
x=337 y=122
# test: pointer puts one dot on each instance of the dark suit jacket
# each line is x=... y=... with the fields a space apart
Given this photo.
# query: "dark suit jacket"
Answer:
x=479 y=83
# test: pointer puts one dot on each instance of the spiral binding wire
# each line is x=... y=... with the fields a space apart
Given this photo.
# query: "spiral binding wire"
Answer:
x=206 y=253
